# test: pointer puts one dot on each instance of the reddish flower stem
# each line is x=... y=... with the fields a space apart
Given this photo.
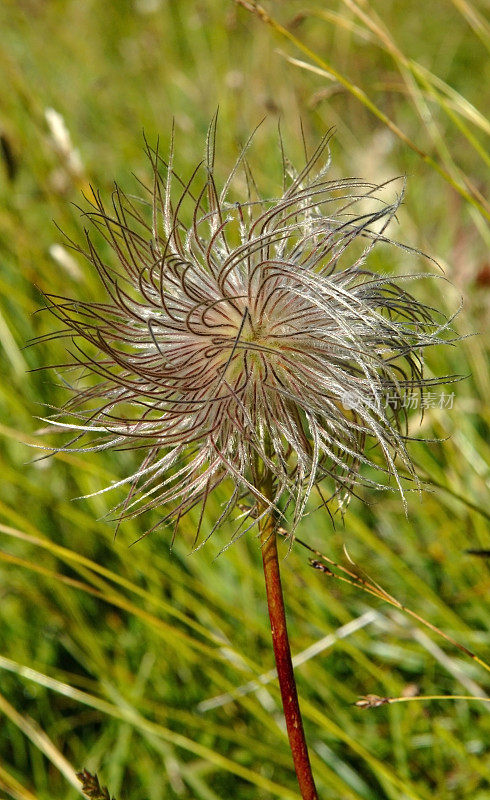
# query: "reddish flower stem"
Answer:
x=282 y=653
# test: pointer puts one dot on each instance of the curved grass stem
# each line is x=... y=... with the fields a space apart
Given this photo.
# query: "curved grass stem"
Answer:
x=282 y=653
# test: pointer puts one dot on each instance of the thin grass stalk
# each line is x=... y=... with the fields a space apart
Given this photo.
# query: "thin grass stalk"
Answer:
x=282 y=651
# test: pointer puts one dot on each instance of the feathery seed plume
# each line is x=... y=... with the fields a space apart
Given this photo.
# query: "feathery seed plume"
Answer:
x=244 y=337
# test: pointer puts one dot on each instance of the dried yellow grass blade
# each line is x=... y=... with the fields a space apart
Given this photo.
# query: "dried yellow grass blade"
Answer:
x=41 y=740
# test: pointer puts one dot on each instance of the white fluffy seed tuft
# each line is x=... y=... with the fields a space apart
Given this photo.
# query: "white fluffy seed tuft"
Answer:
x=243 y=338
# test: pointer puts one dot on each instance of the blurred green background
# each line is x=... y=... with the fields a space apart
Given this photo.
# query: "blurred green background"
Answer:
x=108 y=653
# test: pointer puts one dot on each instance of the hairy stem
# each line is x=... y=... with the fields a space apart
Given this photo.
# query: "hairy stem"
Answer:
x=282 y=653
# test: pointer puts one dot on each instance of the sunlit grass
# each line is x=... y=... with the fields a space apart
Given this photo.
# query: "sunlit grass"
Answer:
x=108 y=651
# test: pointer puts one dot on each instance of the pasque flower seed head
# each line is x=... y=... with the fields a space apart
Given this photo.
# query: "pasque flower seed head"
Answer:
x=244 y=337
